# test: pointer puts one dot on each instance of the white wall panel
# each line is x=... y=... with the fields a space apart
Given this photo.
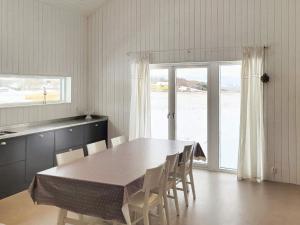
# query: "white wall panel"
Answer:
x=214 y=30
x=36 y=38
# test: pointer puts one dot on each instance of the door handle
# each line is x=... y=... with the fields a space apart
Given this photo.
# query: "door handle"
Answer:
x=3 y=143
x=173 y=115
x=70 y=130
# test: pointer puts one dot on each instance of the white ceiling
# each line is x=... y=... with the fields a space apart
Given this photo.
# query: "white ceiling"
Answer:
x=85 y=7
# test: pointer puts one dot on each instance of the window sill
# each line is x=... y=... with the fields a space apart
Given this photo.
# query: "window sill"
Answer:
x=8 y=106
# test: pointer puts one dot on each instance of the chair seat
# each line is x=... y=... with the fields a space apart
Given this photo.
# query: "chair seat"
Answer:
x=138 y=199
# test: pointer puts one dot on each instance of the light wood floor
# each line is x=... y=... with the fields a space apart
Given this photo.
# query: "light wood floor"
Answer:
x=221 y=200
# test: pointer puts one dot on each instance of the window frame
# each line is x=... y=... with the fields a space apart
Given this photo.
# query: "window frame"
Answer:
x=65 y=90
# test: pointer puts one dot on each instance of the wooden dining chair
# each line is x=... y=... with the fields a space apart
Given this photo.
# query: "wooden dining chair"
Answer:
x=62 y=159
x=118 y=140
x=96 y=147
x=185 y=170
x=146 y=200
x=170 y=184
x=70 y=156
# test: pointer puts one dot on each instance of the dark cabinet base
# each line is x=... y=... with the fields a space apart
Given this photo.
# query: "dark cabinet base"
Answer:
x=12 y=179
x=40 y=156
x=24 y=156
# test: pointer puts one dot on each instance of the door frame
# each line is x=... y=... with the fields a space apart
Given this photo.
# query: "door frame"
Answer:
x=213 y=108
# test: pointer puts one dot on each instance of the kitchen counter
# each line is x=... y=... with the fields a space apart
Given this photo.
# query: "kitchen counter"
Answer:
x=37 y=127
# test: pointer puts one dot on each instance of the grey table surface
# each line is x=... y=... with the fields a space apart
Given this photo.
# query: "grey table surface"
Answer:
x=44 y=126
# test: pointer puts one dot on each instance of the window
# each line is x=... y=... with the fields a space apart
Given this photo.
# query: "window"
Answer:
x=20 y=90
x=191 y=105
x=230 y=97
x=199 y=102
x=159 y=103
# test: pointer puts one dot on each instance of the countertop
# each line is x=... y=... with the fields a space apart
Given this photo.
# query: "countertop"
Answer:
x=44 y=126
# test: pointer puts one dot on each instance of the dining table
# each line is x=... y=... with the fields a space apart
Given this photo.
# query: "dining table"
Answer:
x=99 y=185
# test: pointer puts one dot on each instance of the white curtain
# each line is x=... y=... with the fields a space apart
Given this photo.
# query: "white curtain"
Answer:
x=140 y=108
x=252 y=143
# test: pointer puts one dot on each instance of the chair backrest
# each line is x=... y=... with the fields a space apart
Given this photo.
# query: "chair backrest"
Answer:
x=96 y=147
x=118 y=140
x=68 y=157
x=187 y=158
x=171 y=164
x=153 y=180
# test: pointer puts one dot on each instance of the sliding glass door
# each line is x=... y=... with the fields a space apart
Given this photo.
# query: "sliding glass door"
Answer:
x=191 y=105
x=230 y=95
x=199 y=102
x=159 y=103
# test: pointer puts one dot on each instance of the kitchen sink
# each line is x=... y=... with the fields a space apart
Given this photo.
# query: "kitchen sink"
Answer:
x=5 y=132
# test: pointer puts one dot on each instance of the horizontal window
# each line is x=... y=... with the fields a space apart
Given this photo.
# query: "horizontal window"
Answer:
x=22 y=90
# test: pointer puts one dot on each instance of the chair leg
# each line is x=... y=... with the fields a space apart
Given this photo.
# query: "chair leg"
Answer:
x=146 y=217
x=192 y=184
x=134 y=215
x=176 y=199
x=185 y=192
x=166 y=205
x=61 y=217
x=187 y=189
x=161 y=214
x=187 y=186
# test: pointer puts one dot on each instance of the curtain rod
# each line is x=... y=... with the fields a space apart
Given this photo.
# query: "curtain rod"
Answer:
x=160 y=51
x=189 y=50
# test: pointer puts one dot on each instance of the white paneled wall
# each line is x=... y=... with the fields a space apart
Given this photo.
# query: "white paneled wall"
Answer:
x=214 y=30
x=36 y=38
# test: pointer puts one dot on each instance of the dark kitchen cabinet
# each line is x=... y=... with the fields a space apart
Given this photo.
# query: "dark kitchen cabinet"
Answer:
x=68 y=138
x=12 y=178
x=22 y=157
x=95 y=132
x=12 y=165
x=12 y=150
x=40 y=153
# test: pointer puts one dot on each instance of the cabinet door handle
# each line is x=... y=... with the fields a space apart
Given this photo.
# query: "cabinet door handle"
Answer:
x=42 y=135
x=96 y=125
x=71 y=130
x=3 y=143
